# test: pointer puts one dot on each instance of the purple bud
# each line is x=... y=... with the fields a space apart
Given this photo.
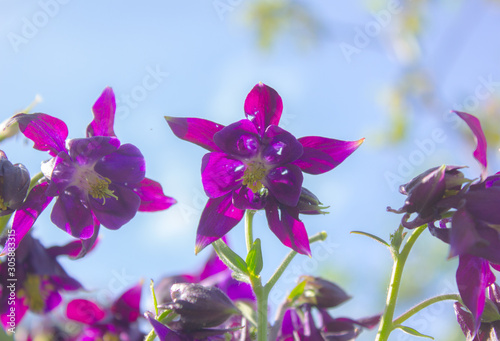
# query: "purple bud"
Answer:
x=321 y=293
x=309 y=203
x=14 y=184
x=199 y=306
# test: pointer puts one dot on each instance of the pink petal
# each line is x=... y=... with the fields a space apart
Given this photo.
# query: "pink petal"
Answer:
x=263 y=106
x=152 y=197
x=217 y=219
x=473 y=277
x=48 y=133
x=27 y=214
x=127 y=307
x=322 y=154
x=220 y=174
x=285 y=184
x=287 y=227
x=84 y=311
x=72 y=214
x=104 y=115
x=481 y=148
x=195 y=130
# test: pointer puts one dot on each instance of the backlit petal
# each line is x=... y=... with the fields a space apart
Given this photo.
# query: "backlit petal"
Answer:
x=104 y=115
x=285 y=184
x=220 y=174
x=195 y=130
x=263 y=106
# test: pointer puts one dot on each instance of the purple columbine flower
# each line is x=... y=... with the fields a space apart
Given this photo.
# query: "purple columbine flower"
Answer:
x=117 y=322
x=97 y=180
x=254 y=164
x=469 y=226
x=31 y=278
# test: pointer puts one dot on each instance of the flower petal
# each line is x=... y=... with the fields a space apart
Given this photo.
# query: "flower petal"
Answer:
x=26 y=215
x=126 y=165
x=114 y=213
x=220 y=174
x=473 y=277
x=217 y=219
x=281 y=146
x=127 y=307
x=84 y=311
x=464 y=235
x=240 y=140
x=47 y=132
x=72 y=215
x=89 y=150
x=162 y=331
x=484 y=204
x=245 y=199
x=481 y=148
x=285 y=184
x=21 y=310
x=263 y=106
x=195 y=130
x=287 y=227
x=104 y=115
x=152 y=197
x=323 y=154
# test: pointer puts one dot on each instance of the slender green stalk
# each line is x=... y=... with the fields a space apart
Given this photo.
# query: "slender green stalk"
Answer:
x=386 y=323
x=249 y=228
x=34 y=180
x=425 y=304
x=262 y=296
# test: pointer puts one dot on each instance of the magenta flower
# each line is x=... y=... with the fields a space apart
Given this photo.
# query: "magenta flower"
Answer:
x=117 y=322
x=37 y=280
x=254 y=164
x=97 y=180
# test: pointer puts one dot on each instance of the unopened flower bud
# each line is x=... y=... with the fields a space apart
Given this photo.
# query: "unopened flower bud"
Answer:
x=199 y=306
x=14 y=184
x=321 y=293
x=309 y=203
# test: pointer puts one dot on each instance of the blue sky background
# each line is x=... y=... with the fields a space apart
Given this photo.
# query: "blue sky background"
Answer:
x=204 y=64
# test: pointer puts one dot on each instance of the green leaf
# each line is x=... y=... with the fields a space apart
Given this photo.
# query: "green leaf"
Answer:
x=248 y=311
x=378 y=239
x=397 y=238
x=241 y=277
x=297 y=291
x=254 y=258
x=230 y=258
x=413 y=332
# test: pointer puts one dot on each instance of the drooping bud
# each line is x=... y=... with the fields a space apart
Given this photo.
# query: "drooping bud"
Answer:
x=14 y=184
x=199 y=306
x=321 y=293
x=425 y=193
x=309 y=203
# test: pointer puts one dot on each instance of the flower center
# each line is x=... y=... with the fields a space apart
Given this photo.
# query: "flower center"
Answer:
x=255 y=172
x=3 y=207
x=34 y=296
x=95 y=184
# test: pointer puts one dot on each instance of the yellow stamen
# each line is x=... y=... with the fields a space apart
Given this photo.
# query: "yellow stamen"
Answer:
x=253 y=175
x=34 y=295
x=99 y=189
x=3 y=207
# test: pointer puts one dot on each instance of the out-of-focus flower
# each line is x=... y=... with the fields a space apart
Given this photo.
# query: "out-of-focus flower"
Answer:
x=97 y=180
x=322 y=293
x=117 y=322
x=254 y=164
x=14 y=184
x=35 y=281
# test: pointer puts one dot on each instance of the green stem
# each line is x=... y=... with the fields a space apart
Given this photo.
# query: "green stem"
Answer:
x=425 y=304
x=249 y=228
x=262 y=295
x=386 y=323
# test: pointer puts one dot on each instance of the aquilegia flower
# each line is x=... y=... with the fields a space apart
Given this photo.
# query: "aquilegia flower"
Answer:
x=35 y=281
x=116 y=322
x=97 y=180
x=254 y=164
x=467 y=217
